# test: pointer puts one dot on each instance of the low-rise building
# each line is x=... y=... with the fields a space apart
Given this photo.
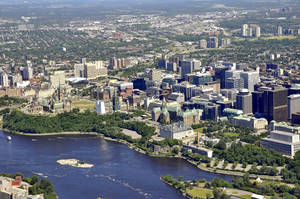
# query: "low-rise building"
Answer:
x=200 y=150
x=283 y=142
x=250 y=122
x=178 y=130
x=15 y=189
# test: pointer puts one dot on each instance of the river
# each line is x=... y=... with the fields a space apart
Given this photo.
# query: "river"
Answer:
x=119 y=172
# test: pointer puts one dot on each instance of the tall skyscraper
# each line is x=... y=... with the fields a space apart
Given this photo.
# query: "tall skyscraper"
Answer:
x=244 y=101
x=203 y=44
x=245 y=30
x=257 y=31
x=155 y=75
x=27 y=73
x=212 y=42
x=189 y=66
x=58 y=79
x=4 y=79
x=279 y=30
x=293 y=104
x=258 y=102
x=276 y=104
x=250 y=79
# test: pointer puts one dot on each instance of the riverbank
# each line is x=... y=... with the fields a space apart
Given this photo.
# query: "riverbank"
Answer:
x=137 y=149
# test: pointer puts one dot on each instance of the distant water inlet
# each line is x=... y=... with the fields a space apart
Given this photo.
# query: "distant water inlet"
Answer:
x=117 y=171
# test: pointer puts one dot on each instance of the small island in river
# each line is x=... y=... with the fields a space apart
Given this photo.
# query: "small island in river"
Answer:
x=75 y=163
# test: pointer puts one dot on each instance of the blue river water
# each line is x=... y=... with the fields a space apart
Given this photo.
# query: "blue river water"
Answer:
x=119 y=172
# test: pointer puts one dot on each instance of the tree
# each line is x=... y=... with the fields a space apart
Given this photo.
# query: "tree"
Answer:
x=221 y=145
x=180 y=178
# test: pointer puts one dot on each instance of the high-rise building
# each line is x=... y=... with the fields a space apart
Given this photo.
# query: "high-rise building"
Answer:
x=115 y=63
x=275 y=104
x=186 y=89
x=257 y=31
x=293 y=104
x=92 y=71
x=27 y=72
x=4 y=79
x=249 y=32
x=279 y=30
x=257 y=102
x=250 y=79
x=245 y=30
x=233 y=79
x=220 y=74
x=234 y=83
x=189 y=66
x=78 y=70
x=225 y=42
x=212 y=42
x=203 y=44
x=58 y=79
x=155 y=75
x=244 y=101
x=100 y=107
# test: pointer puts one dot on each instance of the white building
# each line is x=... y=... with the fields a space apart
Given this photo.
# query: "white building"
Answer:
x=100 y=107
x=4 y=80
x=283 y=142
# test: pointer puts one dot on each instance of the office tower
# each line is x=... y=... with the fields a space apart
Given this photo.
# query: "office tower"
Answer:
x=92 y=71
x=220 y=74
x=244 y=101
x=83 y=60
x=172 y=67
x=186 y=89
x=78 y=70
x=234 y=83
x=225 y=42
x=203 y=44
x=233 y=79
x=27 y=72
x=4 y=79
x=15 y=79
x=275 y=104
x=245 y=30
x=212 y=42
x=279 y=30
x=201 y=79
x=58 y=79
x=189 y=66
x=113 y=63
x=100 y=107
x=155 y=75
x=250 y=32
x=293 y=104
x=257 y=102
x=250 y=79
x=257 y=31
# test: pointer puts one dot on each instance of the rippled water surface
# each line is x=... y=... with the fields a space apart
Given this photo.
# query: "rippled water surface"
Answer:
x=119 y=172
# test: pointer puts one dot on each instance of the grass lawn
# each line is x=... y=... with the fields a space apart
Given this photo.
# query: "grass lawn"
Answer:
x=279 y=37
x=245 y=196
x=84 y=104
x=230 y=134
x=199 y=192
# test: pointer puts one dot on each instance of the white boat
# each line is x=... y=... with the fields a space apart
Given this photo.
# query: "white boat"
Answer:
x=8 y=138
